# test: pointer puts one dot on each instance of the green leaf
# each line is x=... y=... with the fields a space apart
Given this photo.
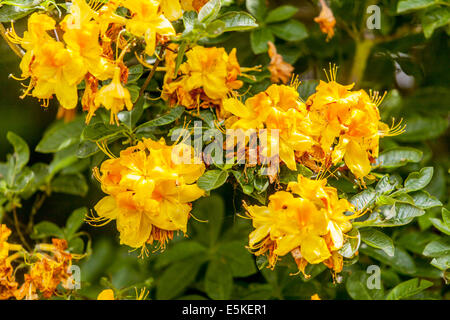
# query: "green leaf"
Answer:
x=238 y=21
x=10 y=13
x=212 y=179
x=416 y=241
x=387 y=184
x=423 y=200
x=209 y=11
x=432 y=19
x=408 y=288
x=86 y=149
x=130 y=118
x=257 y=8
x=208 y=229
x=446 y=217
x=134 y=73
x=46 y=229
x=410 y=5
x=100 y=131
x=180 y=251
x=238 y=258
x=418 y=180
x=364 y=199
x=246 y=184
x=168 y=118
x=397 y=157
x=259 y=39
x=358 y=289
x=291 y=30
x=75 y=221
x=177 y=278
x=442 y=263
x=23 y=180
x=61 y=135
x=215 y=28
x=281 y=13
x=418 y=128
x=438 y=224
x=76 y=245
x=74 y=184
x=400 y=261
x=378 y=239
x=21 y=153
x=218 y=280
x=437 y=248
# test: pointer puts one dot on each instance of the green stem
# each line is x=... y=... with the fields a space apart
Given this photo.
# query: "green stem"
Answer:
x=362 y=54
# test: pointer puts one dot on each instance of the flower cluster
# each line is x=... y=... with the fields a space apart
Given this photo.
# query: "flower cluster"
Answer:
x=280 y=108
x=335 y=124
x=48 y=266
x=204 y=80
x=84 y=45
x=308 y=221
x=149 y=192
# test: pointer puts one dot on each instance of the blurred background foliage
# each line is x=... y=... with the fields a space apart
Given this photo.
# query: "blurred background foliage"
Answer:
x=408 y=57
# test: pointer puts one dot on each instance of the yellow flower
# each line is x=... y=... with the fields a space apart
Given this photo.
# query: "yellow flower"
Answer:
x=279 y=108
x=107 y=294
x=207 y=77
x=8 y=284
x=47 y=272
x=315 y=297
x=326 y=20
x=147 y=21
x=352 y=119
x=309 y=222
x=114 y=97
x=149 y=194
x=280 y=71
x=171 y=9
x=81 y=35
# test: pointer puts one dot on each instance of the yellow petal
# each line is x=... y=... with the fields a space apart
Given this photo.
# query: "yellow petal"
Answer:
x=107 y=208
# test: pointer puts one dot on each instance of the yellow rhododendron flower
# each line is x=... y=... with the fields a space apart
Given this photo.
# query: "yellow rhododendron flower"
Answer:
x=279 y=108
x=81 y=35
x=207 y=77
x=147 y=21
x=114 y=97
x=149 y=195
x=308 y=221
x=53 y=69
x=352 y=119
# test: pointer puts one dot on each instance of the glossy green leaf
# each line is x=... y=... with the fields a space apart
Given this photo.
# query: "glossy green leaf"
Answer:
x=212 y=179
x=291 y=30
x=378 y=239
x=238 y=21
x=281 y=13
x=259 y=39
x=397 y=157
x=408 y=288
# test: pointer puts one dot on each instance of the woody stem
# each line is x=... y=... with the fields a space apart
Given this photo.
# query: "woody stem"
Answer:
x=152 y=73
x=19 y=232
